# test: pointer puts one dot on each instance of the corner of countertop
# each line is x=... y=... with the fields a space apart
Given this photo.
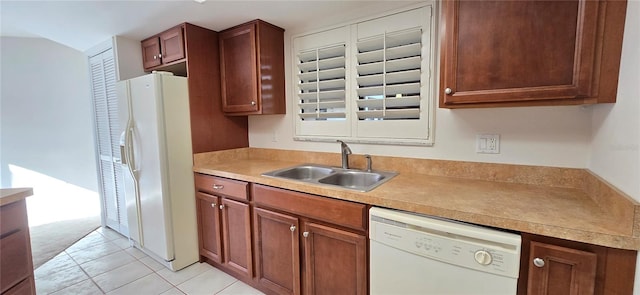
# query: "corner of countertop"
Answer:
x=11 y=195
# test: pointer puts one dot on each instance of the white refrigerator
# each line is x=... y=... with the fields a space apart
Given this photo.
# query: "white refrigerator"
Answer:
x=157 y=163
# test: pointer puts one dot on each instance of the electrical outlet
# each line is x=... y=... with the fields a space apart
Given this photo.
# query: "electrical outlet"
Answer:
x=488 y=143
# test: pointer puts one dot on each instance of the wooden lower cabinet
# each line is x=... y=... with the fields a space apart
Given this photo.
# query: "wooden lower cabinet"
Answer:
x=224 y=230
x=335 y=261
x=297 y=254
x=236 y=237
x=555 y=266
x=16 y=265
x=277 y=251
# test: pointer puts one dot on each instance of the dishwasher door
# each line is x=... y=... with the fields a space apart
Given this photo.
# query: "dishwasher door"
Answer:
x=416 y=254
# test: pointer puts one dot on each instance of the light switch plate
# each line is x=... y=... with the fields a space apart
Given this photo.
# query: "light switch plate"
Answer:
x=488 y=143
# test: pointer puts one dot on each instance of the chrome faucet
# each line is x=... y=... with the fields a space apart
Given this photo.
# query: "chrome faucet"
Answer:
x=346 y=151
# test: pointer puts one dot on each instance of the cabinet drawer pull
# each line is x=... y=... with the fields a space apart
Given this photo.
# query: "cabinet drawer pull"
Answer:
x=448 y=90
x=292 y=228
x=221 y=206
x=218 y=186
x=539 y=262
x=305 y=234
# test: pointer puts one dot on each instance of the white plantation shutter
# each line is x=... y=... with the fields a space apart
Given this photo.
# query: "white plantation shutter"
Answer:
x=387 y=83
x=389 y=76
x=105 y=102
x=321 y=83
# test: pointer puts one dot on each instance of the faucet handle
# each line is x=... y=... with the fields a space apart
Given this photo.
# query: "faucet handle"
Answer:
x=368 y=157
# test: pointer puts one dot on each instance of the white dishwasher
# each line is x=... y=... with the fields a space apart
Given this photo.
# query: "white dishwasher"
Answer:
x=419 y=254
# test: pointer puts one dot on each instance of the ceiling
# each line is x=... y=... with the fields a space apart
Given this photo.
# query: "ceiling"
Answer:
x=84 y=24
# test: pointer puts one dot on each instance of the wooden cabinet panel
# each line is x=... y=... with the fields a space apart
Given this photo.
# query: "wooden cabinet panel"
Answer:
x=25 y=287
x=574 y=268
x=16 y=266
x=277 y=253
x=559 y=270
x=164 y=48
x=527 y=52
x=222 y=186
x=339 y=212
x=252 y=69
x=172 y=44
x=151 y=53
x=236 y=236
x=335 y=261
x=209 y=231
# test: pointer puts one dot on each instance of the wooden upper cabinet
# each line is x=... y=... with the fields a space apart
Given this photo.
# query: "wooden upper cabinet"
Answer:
x=252 y=69
x=164 y=48
x=510 y=53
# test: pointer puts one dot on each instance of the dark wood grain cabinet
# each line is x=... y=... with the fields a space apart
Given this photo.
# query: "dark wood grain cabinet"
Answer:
x=224 y=224
x=301 y=249
x=16 y=266
x=252 y=69
x=164 y=48
x=555 y=266
x=521 y=53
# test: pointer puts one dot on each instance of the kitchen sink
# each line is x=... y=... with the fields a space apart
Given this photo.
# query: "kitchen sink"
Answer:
x=304 y=172
x=354 y=179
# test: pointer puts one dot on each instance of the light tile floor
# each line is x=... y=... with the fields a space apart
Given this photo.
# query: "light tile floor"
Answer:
x=103 y=262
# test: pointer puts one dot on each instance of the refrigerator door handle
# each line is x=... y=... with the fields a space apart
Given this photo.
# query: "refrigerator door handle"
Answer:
x=129 y=155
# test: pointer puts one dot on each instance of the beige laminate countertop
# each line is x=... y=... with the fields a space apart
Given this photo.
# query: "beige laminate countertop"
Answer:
x=567 y=213
x=10 y=195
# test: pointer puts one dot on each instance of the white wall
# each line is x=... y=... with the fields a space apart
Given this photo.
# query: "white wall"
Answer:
x=615 y=146
x=46 y=124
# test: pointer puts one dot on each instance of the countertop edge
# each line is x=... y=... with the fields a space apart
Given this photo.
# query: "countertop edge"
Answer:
x=11 y=195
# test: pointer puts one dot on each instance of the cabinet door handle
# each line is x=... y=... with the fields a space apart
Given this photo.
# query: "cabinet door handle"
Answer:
x=155 y=57
x=218 y=186
x=539 y=262
x=160 y=55
x=448 y=90
x=305 y=234
x=221 y=206
x=253 y=103
x=293 y=228
x=213 y=205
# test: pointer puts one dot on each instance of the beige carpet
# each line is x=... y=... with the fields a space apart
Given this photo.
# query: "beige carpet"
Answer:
x=50 y=239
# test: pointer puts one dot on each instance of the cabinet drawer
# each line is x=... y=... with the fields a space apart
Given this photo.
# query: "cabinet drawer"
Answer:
x=344 y=213
x=13 y=217
x=15 y=264
x=222 y=187
x=25 y=287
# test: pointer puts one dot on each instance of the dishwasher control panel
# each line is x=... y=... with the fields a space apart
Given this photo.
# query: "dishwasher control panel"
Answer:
x=457 y=243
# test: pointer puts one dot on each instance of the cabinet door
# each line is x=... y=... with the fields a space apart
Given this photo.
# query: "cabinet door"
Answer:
x=559 y=270
x=509 y=51
x=238 y=69
x=209 y=232
x=236 y=236
x=335 y=261
x=277 y=249
x=151 y=53
x=172 y=45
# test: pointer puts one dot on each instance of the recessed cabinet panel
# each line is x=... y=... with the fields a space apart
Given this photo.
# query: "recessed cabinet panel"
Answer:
x=172 y=45
x=252 y=69
x=209 y=229
x=528 y=52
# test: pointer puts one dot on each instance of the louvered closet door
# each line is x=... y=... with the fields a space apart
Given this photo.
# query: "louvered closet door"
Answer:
x=105 y=101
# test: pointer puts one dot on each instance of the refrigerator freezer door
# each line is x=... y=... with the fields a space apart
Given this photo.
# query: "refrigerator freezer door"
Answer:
x=149 y=147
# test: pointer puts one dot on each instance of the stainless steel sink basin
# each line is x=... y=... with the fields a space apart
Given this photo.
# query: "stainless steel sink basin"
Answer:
x=352 y=179
x=304 y=172
x=324 y=175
